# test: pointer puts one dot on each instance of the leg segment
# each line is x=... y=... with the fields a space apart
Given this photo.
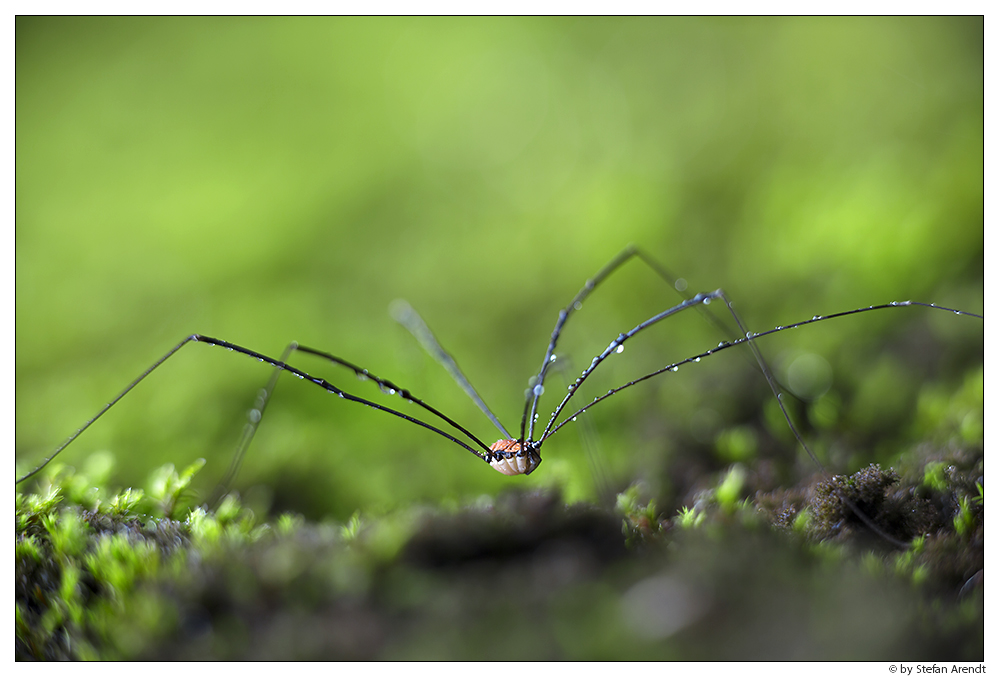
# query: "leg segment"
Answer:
x=485 y=455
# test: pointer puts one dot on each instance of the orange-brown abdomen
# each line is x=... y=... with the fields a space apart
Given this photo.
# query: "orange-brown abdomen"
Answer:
x=510 y=459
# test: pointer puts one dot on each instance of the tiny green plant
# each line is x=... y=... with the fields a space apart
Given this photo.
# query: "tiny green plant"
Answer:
x=690 y=518
x=167 y=488
x=640 y=522
x=727 y=493
x=964 y=520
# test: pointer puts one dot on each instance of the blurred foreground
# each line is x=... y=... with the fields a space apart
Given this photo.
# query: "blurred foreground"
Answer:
x=743 y=574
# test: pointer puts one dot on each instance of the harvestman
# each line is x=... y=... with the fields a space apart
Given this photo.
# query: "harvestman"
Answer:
x=510 y=455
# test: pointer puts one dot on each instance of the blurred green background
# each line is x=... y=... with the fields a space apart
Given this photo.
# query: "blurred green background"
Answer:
x=269 y=180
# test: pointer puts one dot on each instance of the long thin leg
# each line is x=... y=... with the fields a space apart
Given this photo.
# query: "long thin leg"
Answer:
x=390 y=388
x=254 y=417
x=725 y=345
x=531 y=406
x=322 y=383
x=263 y=397
x=801 y=440
x=589 y=439
x=764 y=367
x=79 y=431
x=710 y=316
x=629 y=252
x=668 y=277
x=618 y=344
x=404 y=314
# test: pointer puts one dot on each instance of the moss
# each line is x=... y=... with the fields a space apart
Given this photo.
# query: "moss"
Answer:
x=838 y=501
x=772 y=575
x=641 y=520
x=728 y=491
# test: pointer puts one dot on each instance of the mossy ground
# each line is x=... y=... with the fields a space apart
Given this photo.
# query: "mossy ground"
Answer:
x=788 y=574
x=274 y=179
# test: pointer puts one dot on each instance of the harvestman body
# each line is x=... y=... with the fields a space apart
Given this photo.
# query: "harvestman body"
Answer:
x=510 y=455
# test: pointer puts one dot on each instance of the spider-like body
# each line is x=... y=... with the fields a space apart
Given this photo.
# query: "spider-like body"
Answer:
x=510 y=458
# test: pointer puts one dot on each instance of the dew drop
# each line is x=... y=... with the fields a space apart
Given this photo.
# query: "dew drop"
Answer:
x=675 y=369
x=680 y=284
x=697 y=359
x=577 y=305
x=539 y=389
x=552 y=358
x=619 y=349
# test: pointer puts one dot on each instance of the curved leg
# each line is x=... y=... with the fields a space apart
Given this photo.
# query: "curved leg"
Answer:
x=486 y=455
